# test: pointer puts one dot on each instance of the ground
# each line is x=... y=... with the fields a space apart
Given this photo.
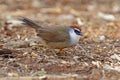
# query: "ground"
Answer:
x=96 y=57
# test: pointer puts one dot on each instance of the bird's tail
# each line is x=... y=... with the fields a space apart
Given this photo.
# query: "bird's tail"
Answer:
x=29 y=22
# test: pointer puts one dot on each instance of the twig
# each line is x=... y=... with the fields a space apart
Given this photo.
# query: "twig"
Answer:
x=84 y=52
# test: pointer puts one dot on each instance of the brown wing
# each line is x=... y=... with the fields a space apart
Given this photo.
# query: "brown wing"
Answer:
x=53 y=34
x=49 y=34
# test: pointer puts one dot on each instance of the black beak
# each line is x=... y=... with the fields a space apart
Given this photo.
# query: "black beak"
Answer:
x=78 y=32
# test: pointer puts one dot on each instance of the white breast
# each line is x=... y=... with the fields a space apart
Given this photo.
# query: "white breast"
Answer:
x=74 y=38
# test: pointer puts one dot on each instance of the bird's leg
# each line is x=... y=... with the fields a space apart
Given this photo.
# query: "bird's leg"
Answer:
x=60 y=53
x=54 y=52
x=57 y=52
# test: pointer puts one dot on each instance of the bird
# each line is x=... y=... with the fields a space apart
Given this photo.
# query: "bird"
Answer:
x=56 y=37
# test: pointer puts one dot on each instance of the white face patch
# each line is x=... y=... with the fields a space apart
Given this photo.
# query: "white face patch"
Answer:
x=74 y=38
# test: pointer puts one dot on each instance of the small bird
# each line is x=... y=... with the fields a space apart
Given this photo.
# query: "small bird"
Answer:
x=56 y=37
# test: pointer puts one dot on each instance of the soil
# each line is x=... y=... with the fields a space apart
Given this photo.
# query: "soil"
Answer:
x=96 y=57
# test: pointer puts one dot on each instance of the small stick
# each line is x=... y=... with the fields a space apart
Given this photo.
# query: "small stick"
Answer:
x=84 y=52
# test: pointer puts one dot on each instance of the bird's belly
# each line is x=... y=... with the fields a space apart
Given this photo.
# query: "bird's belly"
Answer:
x=58 y=45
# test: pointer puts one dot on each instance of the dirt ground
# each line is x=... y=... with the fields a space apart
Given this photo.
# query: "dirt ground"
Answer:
x=22 y=57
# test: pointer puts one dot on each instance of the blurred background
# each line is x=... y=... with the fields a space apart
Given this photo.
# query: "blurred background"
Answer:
x=20 y=55
x=98 y=17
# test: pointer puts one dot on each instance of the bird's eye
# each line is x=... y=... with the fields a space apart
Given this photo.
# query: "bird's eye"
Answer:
x=78 y=32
